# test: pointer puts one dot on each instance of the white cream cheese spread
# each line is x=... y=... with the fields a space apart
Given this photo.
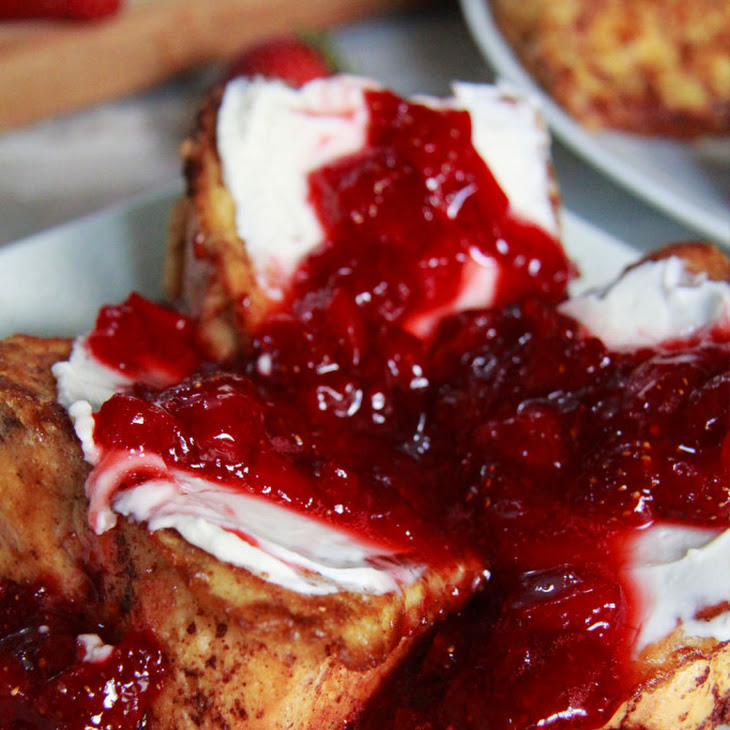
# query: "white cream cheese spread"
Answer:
x=678 y=571
x=272 y=542
x=657 y=301
x=270 y=136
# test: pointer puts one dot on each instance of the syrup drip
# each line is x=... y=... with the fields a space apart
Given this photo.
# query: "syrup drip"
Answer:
x=503 y=429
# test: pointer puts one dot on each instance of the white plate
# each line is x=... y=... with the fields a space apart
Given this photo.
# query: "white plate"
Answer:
x=53 y=283
x=689 y=182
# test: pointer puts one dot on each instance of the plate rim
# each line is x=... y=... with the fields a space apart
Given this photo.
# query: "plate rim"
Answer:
x=497 y=52
x=59 y=249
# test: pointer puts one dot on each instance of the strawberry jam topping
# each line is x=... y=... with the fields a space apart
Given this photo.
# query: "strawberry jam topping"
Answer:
x=145 y=342
x=234 y=431
x=367 y=400
x=410 y=218
x=559 y=449
x=630 y=437
x=406 y=220
x=46 y=680
x=544 y=470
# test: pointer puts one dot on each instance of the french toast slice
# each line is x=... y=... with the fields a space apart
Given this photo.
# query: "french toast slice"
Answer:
x=654 y=67
x=684 y=680
x=218 y=626
x=210 y=270
x=206 y=267
x=241 y=652
x=329 y=651
x=676 y=675
x=687 y=679
x=244 y=653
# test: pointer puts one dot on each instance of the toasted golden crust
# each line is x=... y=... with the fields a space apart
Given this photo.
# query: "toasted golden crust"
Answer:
x=686 y=687
x=208 y=270
x=648 y=66
x=243 y=653
x=698 y=256
x=37 y=453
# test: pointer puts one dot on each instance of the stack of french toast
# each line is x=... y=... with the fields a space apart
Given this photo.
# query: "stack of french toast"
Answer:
x=409 y=516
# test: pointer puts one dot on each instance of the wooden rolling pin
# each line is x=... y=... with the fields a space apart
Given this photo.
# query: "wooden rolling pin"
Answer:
x=51 y=67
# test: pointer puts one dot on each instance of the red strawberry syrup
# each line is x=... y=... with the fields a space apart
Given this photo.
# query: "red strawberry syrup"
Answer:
x=46 y=680
x=504 y=430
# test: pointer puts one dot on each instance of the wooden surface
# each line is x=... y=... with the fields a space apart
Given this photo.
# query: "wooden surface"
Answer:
x=49 y=67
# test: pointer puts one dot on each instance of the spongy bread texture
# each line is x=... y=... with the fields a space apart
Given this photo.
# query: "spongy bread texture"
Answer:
x=680 y=683
x=647 y=66
x=242 y=652
x=208 y=271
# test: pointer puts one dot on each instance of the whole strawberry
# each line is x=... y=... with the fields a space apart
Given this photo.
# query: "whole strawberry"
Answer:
x=289 y=58
x=69 y=9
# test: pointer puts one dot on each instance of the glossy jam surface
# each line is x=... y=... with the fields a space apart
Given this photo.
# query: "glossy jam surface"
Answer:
x=407 y=219
x=522 y=439
x=45 y=681
x=545 y=413
x=143 y=340
x=341 y=346
x=234 y=431
x=504 y=427
x=550 y=428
